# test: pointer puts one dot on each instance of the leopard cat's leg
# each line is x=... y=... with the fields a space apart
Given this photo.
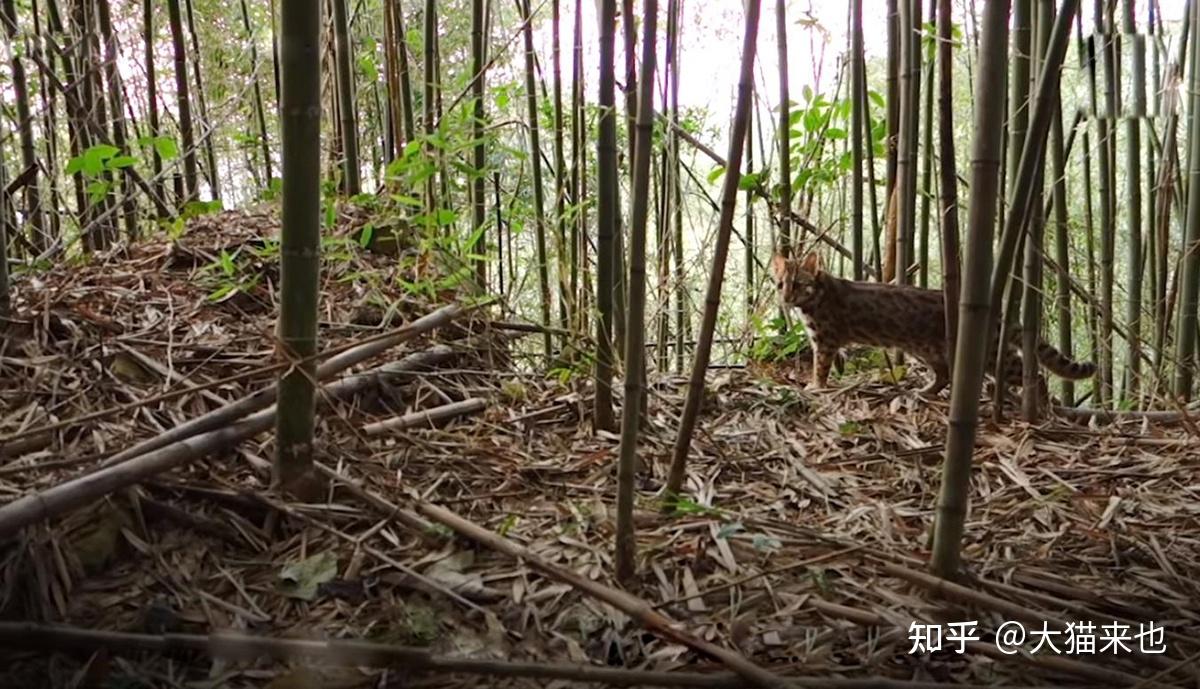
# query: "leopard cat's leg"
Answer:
x=935 y=358
x=824 y=352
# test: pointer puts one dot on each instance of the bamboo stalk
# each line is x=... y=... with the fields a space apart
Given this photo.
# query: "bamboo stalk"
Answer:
x=80 y=491
x=427 y=417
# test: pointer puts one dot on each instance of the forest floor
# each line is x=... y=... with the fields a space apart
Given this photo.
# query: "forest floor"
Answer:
x=802 y=546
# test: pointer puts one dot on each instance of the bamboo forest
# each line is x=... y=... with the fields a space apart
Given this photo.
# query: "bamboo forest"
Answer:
x=566 y=343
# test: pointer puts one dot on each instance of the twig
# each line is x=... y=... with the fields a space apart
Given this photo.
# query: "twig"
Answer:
x=239 y=647
x=1109 y=415
x=264 y=397
x=1009 y=610
x=1105 y=676
x=77 y=492
x=126 y=408
x=427 y=416
x=629 y=604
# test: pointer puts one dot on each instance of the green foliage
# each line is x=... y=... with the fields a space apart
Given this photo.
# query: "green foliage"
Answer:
x=820 y=166
x=96 y=164
x=195 y=209
x=165 y=146
x=683 y=506
x=367 y=69
x=850 y=429
x=227 y=275
x=776 y=341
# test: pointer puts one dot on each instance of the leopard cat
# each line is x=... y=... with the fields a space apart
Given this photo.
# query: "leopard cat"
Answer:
x=839 y=312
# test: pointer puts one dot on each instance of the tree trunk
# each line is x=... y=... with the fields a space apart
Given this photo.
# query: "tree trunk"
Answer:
x=606 y=217
x=975 y=306
x=188 y=140
x=1031 y=295
x=536 y=160
x=116 y=106
x=1019 y=104
x=347 y=126
x=857 y=123
x=1189 y=286
x=206 y=125
x=1108 y=196
x=20 y=91
x=1133 y=196
x=479 y=157
x=948 y=171
x=712 y=299
x=259 y=113
x=626 y=545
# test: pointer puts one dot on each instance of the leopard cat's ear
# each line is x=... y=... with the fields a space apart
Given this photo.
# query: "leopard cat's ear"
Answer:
x=779 y=267
x=811 y=263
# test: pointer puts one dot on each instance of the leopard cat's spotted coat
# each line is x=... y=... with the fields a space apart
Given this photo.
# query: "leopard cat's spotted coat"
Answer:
x=841 y=312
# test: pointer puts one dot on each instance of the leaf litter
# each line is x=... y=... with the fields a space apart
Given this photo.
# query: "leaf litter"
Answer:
x=800 y=541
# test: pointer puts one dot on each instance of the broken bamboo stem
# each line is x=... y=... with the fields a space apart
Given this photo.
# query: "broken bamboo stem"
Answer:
x=241 y=647
x=80 y=491
x=264 y=397
x=427 y=417
x=629 y=604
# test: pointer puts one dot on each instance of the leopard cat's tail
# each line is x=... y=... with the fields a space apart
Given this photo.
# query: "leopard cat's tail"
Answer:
x=1055 y=361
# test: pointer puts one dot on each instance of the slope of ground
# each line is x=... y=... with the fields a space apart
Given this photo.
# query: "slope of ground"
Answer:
x=802 y=544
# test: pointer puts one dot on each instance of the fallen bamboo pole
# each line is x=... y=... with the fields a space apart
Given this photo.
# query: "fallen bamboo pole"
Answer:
x=427 y=417
x=265 y=397
x=1011 y=611
x=1110 y=415
x=629 y=604
x=1105 y=676
x=279 y=366
x=80 y=491
x=241 y=647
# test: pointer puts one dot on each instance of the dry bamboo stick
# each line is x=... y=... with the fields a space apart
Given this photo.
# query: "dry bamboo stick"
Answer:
x=1094 y=673
x=126 y=408
x=627 y=603
x=263 y=398
x=1009 y=610
x=244 y=647
x=427 y=417
x=80 y=491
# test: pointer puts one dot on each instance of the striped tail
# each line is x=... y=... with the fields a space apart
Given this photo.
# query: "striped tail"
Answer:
x=1061 y=365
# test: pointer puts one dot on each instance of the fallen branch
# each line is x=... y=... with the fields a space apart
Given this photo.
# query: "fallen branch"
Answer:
x=427 y=417
x=1009 y=610
x=263 y=398
x=629 y=604
x=239 y=647
x=1110 y=415
x=279 y=366
x=1102 y=675
x=80 y=491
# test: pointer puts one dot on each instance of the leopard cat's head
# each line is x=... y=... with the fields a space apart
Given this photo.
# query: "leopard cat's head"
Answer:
x=799 y=281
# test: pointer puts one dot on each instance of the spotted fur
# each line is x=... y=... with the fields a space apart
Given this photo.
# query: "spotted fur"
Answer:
x=841 y=312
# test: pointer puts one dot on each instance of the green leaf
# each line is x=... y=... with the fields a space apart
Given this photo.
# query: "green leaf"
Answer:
x=407 y=200
x=97 y=190
x=102 y=151
x=122 y=162
x=749 y=181
x=876 y=98
x=715 y=174
x=166 y=148
x=74 y=165
x=445 y=216
x=368 y=233
x=301 y=579
x=808 y=92
x=835 y=133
